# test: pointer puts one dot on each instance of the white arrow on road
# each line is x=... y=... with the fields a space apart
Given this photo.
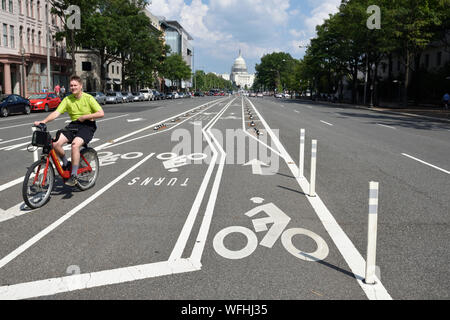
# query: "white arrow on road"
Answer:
x=134 y=120
x=256 y=166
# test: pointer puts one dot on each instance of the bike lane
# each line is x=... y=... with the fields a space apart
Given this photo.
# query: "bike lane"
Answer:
x=286 y=258
x=135 y=221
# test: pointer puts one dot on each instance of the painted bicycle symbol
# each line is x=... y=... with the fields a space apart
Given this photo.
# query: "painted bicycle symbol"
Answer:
x=280 y=221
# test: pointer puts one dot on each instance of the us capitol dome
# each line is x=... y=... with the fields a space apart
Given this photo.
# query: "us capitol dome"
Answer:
x=239 y=74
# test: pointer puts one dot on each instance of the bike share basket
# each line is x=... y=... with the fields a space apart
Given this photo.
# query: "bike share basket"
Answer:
x=41 y=138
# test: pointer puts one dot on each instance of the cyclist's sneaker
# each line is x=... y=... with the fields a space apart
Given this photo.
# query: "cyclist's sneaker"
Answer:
x=72 y=181
x=68 y=166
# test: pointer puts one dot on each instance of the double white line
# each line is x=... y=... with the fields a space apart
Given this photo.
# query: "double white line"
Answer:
x=174 y=265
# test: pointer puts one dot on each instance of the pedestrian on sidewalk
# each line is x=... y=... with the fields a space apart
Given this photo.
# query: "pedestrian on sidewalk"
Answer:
x=57 y=89
x=445 y=100
x=63 y=91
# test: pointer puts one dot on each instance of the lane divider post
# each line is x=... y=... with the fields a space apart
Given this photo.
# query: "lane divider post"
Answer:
x=35 y=152
x=372 y=233
x=312 y=183
x=301 y=161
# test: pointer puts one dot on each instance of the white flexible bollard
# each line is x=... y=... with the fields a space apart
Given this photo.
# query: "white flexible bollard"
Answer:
x=312 y=183
x=301 y=159
x=372 y=233
x=35 y=152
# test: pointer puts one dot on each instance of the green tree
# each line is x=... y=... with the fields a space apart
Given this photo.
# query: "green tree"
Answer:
x=176 y=69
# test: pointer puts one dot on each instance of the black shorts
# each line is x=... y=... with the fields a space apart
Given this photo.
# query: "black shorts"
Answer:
x=85 y=130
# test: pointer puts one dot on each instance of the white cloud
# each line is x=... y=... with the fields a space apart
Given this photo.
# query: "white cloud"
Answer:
x=319 y=14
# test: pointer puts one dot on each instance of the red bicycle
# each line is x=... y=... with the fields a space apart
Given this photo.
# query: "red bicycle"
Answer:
x=40 y=177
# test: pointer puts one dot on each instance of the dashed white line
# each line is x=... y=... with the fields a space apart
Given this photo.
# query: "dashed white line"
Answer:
x=383 y=125
x=428 y=164
x=326 y=123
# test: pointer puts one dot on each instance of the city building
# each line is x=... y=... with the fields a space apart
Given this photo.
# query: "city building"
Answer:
x=23 y=48
x=239 y=74
x=179 y=41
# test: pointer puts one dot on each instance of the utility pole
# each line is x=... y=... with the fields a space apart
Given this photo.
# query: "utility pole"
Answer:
x=48 y=48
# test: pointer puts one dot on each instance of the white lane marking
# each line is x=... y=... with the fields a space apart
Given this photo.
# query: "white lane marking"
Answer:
x=107 y=145
x=11 y=183
x=428 y=164
x=14 y=254
x=308 y=106
x=162 y=121
x=345 y=246
x=296 y=111
x=245 y=130
x=383 y=125
x=53 y=286
x=189 y=223
x=200 y=242
x=256 y=166
x=153 y=133
x=326 y=123
x=28 y=124
x=15 y=211
x=3 y=142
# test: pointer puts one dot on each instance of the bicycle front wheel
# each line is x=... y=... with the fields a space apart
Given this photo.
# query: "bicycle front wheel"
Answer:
x=35 y=191
x=87 y=179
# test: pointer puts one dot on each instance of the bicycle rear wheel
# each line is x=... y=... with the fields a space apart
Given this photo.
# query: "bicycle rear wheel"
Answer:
x=87 y=179
x=35 y=191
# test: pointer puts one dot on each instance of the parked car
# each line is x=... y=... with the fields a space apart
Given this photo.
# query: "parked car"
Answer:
x=99 y=96
x=199 y=94
x=138 y=96
x=114 y=97
x=278 y=95
x=156 y=95
x=162 y=96
x=44 y=101
x=259 y=95
x=148 y=94
x=13 y=103
x=169 y=95
x=128 y=97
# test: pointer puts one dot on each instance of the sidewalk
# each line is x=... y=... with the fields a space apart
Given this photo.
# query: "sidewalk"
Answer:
x=432 y=112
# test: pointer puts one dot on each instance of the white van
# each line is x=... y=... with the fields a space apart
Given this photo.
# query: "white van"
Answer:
x=148 y=94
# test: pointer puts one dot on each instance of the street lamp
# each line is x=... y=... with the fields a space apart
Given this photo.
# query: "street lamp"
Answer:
x=22 y=53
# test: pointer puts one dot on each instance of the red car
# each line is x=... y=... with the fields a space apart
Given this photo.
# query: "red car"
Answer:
x=44 y=101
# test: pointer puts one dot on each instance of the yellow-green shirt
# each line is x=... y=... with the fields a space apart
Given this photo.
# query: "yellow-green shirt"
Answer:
x=79 y=107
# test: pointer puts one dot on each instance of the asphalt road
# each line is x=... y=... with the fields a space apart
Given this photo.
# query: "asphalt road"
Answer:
x=204 y=208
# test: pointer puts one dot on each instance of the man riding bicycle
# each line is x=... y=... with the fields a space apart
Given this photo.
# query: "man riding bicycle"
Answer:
x=83 y=109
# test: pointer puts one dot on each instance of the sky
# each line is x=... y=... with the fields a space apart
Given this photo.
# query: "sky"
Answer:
x=221 y=28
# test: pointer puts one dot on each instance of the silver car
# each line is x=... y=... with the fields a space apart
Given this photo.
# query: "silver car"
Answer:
x=99 y=96
x=114 y=97
x=128 y=97
x=138 y=96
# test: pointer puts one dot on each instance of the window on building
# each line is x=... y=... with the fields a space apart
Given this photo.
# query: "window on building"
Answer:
x=43 y=67
x=112 y=69
x=11 y=37
x=5 y=35
x=38 y=8
x=4 y=4
x=86 y=66
x=117 y=69
x=439 y=58
x=20 y=7
x=31 y=9
x=39 y=40
x=27 y=8
x=11 y=6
